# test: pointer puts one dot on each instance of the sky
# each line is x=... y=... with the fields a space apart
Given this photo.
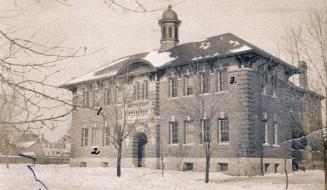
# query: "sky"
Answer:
x=114 y=32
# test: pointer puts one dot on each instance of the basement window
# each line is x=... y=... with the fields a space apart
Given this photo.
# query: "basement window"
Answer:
x=222 y=167
x=188 y=166
x=82 y=164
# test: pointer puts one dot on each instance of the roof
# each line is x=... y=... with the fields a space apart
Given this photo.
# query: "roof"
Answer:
x=213 y=47
x=169 y=14
x=25 y=144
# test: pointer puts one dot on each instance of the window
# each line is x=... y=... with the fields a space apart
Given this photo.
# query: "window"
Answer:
x=106 y=136
x=84 y=137
x=170 y=32
x=119 y=95
x=264 y=134
x=173 y=133
x=276 y=168
x=223 y=130
x=222 y=167
x=173 y=87
x=176 y=32
x=82 y=164
x=104 y=164
x=275 y=134
x=188 y=132
x=108 y=96
x=145 y=90
x=188 y=166
x=94 y=135
x=221 y=80
x=188 y=90
x=86 y=98
x=205 y=132
x=164 y=32
x=205 y=83
x=267 y=167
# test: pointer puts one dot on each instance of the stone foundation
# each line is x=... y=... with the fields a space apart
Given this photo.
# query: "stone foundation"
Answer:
x=236 y=166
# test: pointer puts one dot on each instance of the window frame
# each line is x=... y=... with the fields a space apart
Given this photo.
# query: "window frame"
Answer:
x=205 y=134
x=84 y=137
x=173 y=90
x=221 y=131
x=188 y=130
x=173 y=127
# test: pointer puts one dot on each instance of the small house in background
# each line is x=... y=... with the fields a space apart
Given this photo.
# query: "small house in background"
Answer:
x=29 y=148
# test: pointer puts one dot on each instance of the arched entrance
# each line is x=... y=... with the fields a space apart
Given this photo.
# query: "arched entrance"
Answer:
x=139 y=141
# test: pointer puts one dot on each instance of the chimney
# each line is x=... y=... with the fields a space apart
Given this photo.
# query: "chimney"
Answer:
x=303 y=77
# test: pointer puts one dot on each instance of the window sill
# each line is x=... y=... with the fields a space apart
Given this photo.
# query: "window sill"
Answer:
x=172 y=98
x=221 y=92
x=276 y=145
x=188 y=96
x=188 y=144
x=265 y=144
x=205 y=94
x=224 y=143
x=175 y=144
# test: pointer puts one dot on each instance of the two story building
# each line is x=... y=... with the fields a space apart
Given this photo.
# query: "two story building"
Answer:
x=239 y=94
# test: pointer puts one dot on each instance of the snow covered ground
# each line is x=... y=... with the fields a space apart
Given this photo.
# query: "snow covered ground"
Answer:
x=56 y=177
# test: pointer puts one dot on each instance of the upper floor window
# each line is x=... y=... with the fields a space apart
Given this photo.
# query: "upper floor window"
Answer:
x=86 y=98
x=221 y=80
x=223 y=130
x=170 y=32
x=172 y=87
x=275 y=133
x=188 y=88
x=108 y=96
x=145 y=90
x=173 y=132
x=84 y=137
x=176 y=32
x=205 y=82
x=188 y=132
x=205 y=130
x=265 y=133
x=119 y=95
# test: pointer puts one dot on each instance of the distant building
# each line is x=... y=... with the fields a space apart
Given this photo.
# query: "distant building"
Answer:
x=257 y=117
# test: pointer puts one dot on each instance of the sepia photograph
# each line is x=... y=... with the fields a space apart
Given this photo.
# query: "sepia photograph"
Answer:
x=163 y=94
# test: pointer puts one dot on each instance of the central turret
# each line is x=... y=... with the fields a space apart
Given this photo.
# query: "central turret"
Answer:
x=169 y=29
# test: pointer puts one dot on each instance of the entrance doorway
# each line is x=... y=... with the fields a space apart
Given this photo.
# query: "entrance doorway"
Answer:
x=139 y=141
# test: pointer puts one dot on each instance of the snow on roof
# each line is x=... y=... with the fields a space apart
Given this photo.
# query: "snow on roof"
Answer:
x=240 y=49
x=221 y=45
x=159 y=59
x=25 y=144
x=93 y=75
x=28 y=153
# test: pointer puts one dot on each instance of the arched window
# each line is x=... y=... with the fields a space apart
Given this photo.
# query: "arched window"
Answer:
x=145 y=90
x=170 y=32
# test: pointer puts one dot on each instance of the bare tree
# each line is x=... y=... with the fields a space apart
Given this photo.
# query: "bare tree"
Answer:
x=202 y=109
x=122 y=114
x=308 y=42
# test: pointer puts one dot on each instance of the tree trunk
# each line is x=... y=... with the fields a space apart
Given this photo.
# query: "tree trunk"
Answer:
x=324 y=138
x=286 y=174
x=6 y=153
x=119 y=149
x=207 y=162
x=325 y=162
